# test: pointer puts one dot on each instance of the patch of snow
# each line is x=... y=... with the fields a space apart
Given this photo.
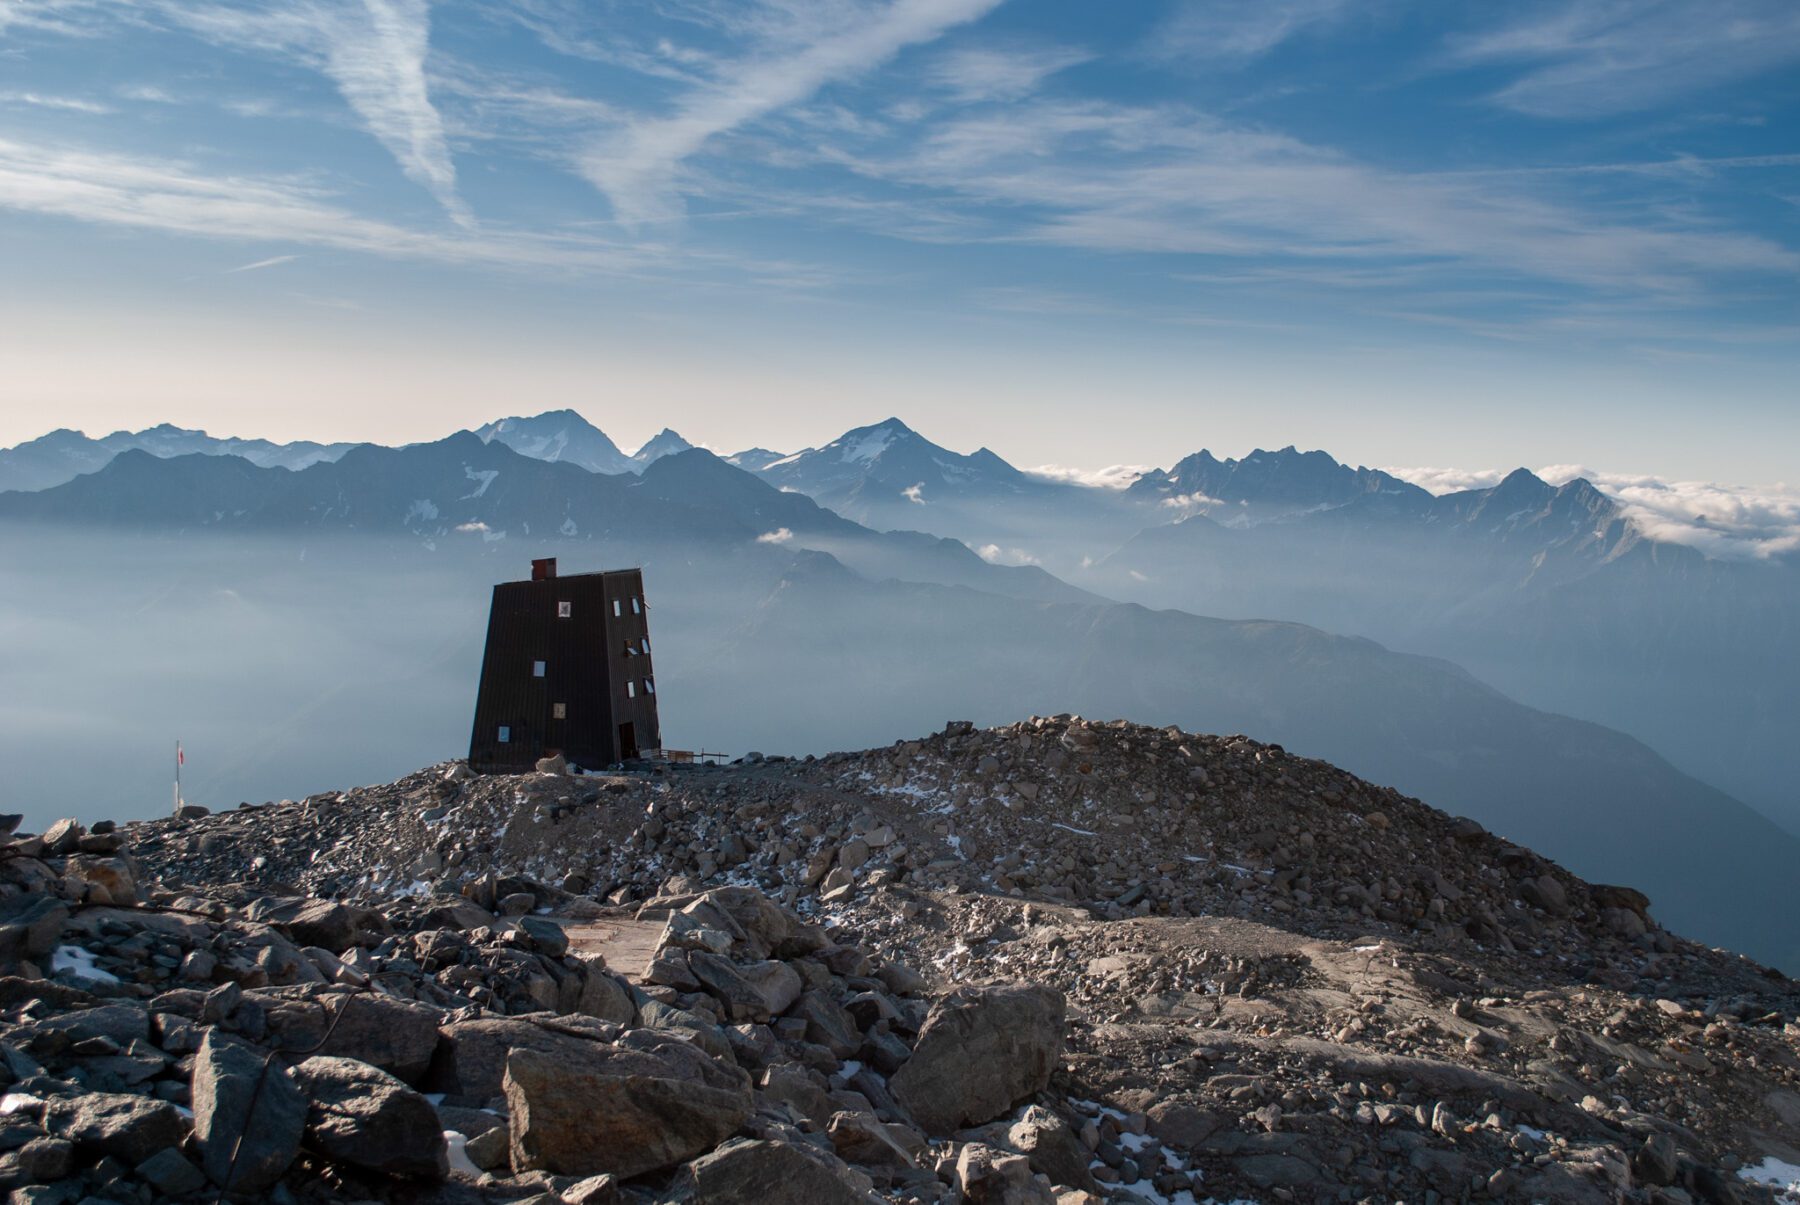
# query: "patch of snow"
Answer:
x=1778 y=1174
x=1069 y=828
x=456 y=1147
x=914 y=493
x=422 y=508
x=568 y=527
x=14 y=1102
x=79 y=962
x=484 y=476
x=780 y=535
x=869 y=446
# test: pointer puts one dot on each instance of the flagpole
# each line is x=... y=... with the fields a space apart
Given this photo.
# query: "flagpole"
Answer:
x=178 y=774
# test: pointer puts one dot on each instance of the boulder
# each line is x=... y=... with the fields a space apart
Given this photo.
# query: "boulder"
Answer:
x=361 y=1115
x=170 y=1173
x=765 y=925
x=322 y=923
x=102 y=880
x=777 y=983
x=126 y=1127
x=399 y=1036
x=545 y=936
x=31 y=925
x=649 y=1101
x=471 y=1058
x=1050 y=1146
x=604 y=995
x=120 y=1024
x=980 y=1052
x=801 y=1089
x=243 y=1150
x=990 y=1177
x=750 y=1171
x=720 y=978
x=828 y=1025
x=864 y=1138
x=62 y=837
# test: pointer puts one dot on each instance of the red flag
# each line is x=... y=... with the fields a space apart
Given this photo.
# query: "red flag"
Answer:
x=180 y=757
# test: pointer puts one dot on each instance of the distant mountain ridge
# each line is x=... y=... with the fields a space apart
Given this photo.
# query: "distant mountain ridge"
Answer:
x=64 y=454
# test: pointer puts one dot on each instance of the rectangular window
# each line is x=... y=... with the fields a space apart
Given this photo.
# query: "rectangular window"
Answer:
x=562 y=610
x=559 y=711
x=637 y=606
x=537 y=669
x=646 y=644
x=505 y=734
x=615 y=608
x=631 y=690
x=649 y=687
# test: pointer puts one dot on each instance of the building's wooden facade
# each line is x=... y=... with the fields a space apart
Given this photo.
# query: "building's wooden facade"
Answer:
x=567 y=670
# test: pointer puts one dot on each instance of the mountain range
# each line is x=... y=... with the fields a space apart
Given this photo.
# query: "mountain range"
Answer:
x=313 y=605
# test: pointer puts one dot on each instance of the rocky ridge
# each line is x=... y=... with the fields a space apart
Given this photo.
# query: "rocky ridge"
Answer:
x=1250 y=975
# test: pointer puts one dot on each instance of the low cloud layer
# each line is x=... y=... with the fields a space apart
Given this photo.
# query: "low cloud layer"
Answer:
x=1739 y=522
x=1112 y=477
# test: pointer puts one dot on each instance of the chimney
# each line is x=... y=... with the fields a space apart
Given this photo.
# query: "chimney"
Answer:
x=543 y=569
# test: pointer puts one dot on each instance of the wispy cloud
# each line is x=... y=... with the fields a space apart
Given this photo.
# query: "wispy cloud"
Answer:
x=271 y=262
x=158 y=194
x=1170 y=180
x=69 y=104
x=994 y=554
x=374 y=51
x=1593 y=58
x=637 y=168
x=991 y=73
x=1228 y=29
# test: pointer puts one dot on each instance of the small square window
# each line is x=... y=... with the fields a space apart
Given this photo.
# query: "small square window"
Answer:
x=562 y=610
x=616 y=609
x=537 y=669
x=559 y=711
x=631 y=690
x=505 y=734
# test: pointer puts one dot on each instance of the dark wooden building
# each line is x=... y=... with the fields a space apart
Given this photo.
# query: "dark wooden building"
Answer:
x=567 y=670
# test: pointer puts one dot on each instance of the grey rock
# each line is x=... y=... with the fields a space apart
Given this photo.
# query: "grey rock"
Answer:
x=171 y=1173
x=399 y=1036
x=827 y=1024
x=624 y=1108
x=981 y=1051
x=361 y=1115
x=749 y=1171
x=128 y=1128
x=241 y=1149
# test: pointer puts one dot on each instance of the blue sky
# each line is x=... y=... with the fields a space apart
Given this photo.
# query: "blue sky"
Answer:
x=1411 y=233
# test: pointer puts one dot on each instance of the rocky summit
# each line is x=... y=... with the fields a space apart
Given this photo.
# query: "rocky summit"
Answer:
x=1059 y=961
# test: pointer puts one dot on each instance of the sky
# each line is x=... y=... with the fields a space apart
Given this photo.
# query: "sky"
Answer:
x=1559 y=232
